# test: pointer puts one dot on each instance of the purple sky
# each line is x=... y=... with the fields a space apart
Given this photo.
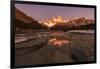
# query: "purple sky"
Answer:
x=39 y=12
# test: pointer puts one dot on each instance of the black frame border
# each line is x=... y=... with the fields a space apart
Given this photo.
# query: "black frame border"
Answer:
x=12 y=31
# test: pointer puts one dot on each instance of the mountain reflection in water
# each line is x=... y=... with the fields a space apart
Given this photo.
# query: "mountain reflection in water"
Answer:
x=58 y=42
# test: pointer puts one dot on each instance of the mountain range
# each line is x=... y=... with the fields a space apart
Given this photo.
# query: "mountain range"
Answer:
x=23 y=21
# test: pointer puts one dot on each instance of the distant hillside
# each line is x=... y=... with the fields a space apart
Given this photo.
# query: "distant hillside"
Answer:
x=24 y=21
x=65 y=27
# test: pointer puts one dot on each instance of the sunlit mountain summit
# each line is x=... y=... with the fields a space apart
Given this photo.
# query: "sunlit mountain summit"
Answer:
x=53 y=20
